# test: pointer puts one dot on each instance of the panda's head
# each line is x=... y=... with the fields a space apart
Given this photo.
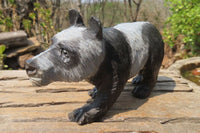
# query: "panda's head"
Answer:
x=75 y=54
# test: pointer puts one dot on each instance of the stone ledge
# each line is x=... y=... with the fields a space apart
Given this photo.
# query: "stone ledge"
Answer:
x=178 y=65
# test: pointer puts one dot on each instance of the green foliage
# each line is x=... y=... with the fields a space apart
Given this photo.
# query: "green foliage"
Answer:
x=45 y=21
x=32 y=16
x=2 y=49
x=6 y=22
x=109 y=14
x=11 y=1
x=27 y=24
x=185 y=20
x=39 y=21
x=2 y=56
x=36 y=5
x=6 y=19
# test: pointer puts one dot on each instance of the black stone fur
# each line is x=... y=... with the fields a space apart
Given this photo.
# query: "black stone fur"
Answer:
x=75 y=18
x=137 y=79
x=93 y=92
x=109 y=80
x=73 y=53
x=95 y=27
x=114 y=71
x=150 y=71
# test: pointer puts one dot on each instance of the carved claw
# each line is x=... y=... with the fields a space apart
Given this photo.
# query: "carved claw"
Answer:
x=84 y=115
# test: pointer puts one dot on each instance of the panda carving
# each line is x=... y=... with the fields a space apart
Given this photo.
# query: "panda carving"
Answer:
x=105 y=57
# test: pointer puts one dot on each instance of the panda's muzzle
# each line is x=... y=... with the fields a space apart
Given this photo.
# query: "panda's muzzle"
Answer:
x=30 y=69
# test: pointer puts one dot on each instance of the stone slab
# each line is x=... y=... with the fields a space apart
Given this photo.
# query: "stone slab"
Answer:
x=32 y=44
x=172 y=107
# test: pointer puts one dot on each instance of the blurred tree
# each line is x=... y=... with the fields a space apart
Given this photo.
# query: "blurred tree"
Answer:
x=125 y=11
x=44 y=18
x=137 y=4
x=185 y=21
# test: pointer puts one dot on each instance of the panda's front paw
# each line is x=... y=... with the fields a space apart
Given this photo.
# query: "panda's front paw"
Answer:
x=84 y=115
x=137 y=80
x=141 y=91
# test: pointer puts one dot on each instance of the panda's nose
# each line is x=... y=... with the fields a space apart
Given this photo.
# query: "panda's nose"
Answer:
x=30 y=69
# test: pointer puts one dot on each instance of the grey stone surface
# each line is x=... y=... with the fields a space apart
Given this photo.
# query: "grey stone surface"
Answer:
x=23 y=108
x=177 y=66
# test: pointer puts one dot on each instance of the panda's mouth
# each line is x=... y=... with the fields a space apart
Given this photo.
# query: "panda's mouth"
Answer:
x=36 y=81
x=39 y=80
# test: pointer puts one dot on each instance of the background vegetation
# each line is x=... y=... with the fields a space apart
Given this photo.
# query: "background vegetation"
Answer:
x=2 y=56
x=44 y=18
x=184 y=21
x=177 y=20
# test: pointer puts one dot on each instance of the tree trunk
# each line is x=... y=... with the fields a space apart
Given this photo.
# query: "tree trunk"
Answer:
x=81 y=8
x=130 y=10
x=125 y=10
x=57 y=26
x=102 y=10
x=137 y=9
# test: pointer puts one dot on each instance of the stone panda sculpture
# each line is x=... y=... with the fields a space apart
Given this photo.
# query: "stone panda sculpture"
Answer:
x=105 y=57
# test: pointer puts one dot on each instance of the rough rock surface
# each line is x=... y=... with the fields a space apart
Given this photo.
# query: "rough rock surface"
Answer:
x=185 y=64
x=16 y=57
x=32 y=44
x=13 y=39
x=173 y=107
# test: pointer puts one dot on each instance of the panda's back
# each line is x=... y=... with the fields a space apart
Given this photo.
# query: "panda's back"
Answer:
x=139 y=48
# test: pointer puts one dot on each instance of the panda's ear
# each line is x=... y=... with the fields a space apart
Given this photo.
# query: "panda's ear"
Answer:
x=75 y=18
x=96 y=27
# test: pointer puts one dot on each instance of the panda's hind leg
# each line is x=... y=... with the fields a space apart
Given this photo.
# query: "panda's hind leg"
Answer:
x=151 y=69
x=148 y=79
x=148 y=76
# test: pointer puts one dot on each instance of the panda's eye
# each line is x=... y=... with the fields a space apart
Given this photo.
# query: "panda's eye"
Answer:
x=65 y=55
x=65 y=52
